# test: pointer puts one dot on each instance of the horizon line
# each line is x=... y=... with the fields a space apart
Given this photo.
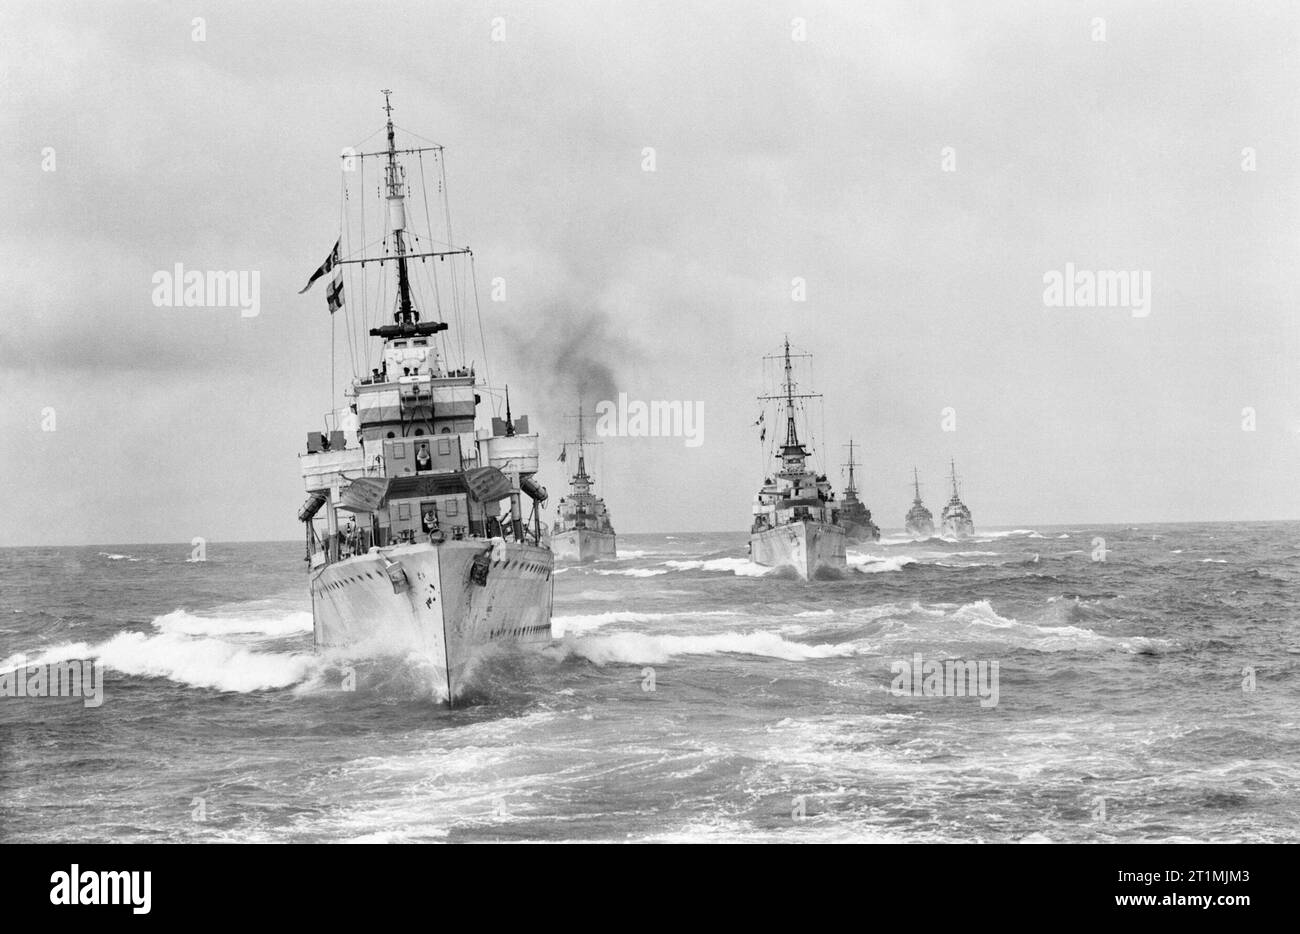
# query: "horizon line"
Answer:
x=993 y=527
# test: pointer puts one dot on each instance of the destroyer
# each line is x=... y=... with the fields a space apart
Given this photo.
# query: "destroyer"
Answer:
x=854 y=515
x=956 y=517
x=795 y=523
x=920 y=521
x=413 y=553
x=582 y=530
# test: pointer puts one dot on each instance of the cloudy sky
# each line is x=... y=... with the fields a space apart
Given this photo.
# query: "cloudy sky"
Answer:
x=821 y=159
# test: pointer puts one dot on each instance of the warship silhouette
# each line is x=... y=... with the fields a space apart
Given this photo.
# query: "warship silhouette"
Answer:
x=795 y=521
x=956 y=517
x=853 y=513
x=416 y=538
x=582 y=531
x=920 y=521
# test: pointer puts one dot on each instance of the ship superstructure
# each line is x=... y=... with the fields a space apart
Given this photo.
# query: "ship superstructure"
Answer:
x=853 y=513
x=582 y=531
x=956 y=517
x=416 y=535
x=795 y=522
x=920 y=521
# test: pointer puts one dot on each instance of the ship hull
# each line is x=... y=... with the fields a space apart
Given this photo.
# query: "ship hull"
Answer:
x=806 y=547
x=437 y=608
x=958 y=528
x=855 y=533
x=921 y=528
x=584 y=545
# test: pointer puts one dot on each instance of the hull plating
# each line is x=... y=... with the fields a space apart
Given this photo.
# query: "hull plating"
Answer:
x=442 y=613
x=583 y=545
x=807 y=547
x=958 y=528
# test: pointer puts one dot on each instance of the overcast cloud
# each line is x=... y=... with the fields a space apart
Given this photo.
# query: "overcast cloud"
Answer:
x=775 y=159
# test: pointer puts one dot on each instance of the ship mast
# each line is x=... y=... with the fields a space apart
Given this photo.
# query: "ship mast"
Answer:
x=954 y=479
x=916 y=485
x=582 y=462
x=852 y=487
x=406 y=318
x=792 y=446
x=791 y=436
x=393 y=177
x=581 y=442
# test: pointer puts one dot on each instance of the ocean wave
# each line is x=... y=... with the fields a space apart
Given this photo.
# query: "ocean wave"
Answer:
x=946 y=623
x=112 y=556
x=870 y=564
x=741 y=567
x=647 y=649
x=601 y=595
x=183 y=622
x=198 y=662
x=635 y=572
x=582 y=623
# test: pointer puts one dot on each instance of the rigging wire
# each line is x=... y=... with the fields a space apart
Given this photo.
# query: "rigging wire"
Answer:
x=433 y=273
x=451 y=238
x=363 y=312
x=349 y=328
x=487 y=375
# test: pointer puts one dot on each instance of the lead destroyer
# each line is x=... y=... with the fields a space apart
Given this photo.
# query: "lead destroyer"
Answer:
x=408 y=546
x=795 y=522
x=582 y=530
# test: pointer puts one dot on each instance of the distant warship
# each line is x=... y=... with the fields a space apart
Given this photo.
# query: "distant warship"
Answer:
x=854 y=515
x=407 y=546
x=956 y=517
x=795 y=521
x=582 y=530
x=920 y=521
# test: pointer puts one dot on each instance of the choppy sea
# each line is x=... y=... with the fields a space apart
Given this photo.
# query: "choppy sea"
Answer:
x=687 y=696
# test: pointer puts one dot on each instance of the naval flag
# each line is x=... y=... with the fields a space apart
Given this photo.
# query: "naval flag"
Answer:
x=334 y=294
x=330 y=262
x=563 y=451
